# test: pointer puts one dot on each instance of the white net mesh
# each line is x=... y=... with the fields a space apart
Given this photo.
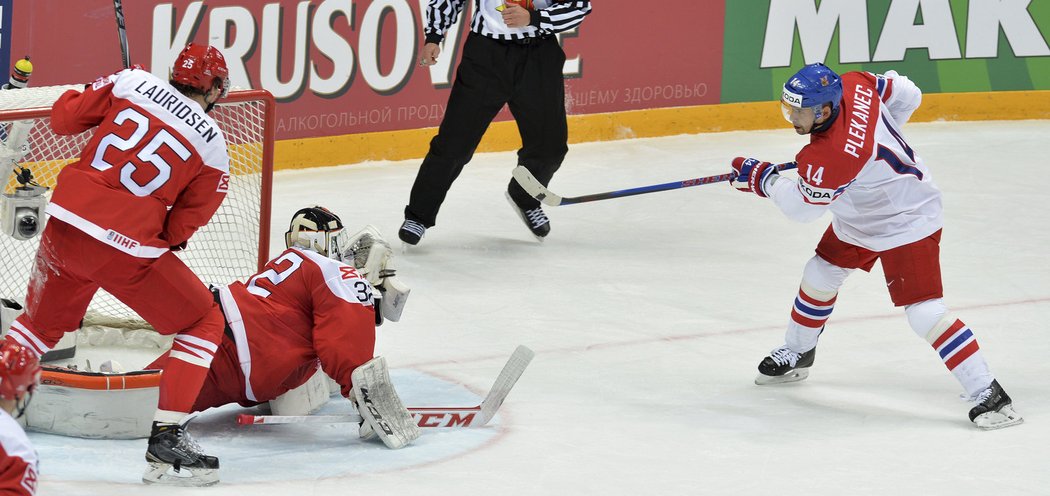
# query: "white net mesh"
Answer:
x=226 y=249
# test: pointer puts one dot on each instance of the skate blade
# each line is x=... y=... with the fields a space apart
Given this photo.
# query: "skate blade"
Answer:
x=1005 y=417
x=165 y=474
x=793 y=376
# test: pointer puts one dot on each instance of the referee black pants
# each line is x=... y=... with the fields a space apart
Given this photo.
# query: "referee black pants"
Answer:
x=525 y=77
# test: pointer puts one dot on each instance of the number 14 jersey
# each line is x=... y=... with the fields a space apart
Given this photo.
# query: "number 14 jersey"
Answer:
x=880 y=193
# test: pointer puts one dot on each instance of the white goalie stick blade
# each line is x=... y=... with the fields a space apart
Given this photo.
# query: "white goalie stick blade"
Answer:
x=533 y=187
x=379 y=405
x=428 y=417
x=504 y=382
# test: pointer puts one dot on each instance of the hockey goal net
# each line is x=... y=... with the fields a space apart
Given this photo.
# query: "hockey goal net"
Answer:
x=233 y=245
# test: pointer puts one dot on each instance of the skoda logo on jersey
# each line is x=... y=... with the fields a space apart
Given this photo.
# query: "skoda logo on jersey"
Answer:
x=814 y=193
x=793 y=99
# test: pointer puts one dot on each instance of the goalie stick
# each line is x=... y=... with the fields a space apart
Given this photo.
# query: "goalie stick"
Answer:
x=540 y=192
x=473 y=416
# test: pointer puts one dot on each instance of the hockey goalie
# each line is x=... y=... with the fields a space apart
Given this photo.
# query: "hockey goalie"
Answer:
x=315 y=306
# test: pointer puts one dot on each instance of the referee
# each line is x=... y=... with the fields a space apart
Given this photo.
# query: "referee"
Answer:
x=511 y=57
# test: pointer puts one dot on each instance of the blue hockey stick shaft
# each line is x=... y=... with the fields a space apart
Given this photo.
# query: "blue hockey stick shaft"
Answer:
x=533 y=187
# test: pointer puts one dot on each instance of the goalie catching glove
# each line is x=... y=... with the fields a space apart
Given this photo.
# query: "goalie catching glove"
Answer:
x=381 y=410
x=372 y=255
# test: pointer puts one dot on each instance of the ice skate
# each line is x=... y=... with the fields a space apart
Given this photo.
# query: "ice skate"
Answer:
x=534 y=218
x=783 y=365
x=411 y=232
x=994 y=409
x=174 y=458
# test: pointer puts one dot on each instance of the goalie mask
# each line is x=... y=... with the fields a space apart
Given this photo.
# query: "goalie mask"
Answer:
x=318 y=229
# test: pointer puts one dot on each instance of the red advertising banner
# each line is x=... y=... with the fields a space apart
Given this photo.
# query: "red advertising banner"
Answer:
x=351 y=66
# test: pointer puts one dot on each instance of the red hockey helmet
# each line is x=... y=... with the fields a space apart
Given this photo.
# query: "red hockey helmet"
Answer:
x=19 y=371
x=198 y=66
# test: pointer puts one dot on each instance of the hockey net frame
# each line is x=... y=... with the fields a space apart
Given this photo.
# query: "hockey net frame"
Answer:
x=233 y=245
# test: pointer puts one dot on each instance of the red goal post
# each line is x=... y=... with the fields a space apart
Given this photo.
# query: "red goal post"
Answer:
x=233 y=245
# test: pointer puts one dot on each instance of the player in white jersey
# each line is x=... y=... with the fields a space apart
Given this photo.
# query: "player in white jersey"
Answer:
x=155 y=170
x=19 y=375
x=885 y=207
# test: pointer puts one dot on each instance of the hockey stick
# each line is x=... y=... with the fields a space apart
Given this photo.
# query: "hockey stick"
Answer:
x=122 y=32
x=540 y=192
x=473 y=416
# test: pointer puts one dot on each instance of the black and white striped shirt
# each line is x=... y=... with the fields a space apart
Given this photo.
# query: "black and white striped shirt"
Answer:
x=549 y=17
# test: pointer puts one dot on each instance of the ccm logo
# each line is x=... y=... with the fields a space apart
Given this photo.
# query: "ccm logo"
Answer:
x=443 y=419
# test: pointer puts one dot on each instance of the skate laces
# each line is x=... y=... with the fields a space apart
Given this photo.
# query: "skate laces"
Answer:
x=188 y=445
x=536 y=217
x=980 y=397
x=784 y=356
x=413 y=227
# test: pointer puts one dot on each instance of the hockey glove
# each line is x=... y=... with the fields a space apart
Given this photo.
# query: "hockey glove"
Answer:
x=179 y=247
x=751 y=175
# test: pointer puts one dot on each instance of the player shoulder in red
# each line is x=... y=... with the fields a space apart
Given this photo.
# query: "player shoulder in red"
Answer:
x=841 y=124
x=841 y=144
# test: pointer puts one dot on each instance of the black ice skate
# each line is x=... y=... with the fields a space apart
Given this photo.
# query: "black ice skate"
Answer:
x=411 y=232
x=994 y=409
x=534 y=219
x=174 y=458
x=784 y=365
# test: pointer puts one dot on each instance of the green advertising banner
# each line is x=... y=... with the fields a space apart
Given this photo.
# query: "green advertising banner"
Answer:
x=945 y=46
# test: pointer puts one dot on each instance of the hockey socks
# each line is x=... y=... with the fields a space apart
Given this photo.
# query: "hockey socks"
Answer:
x=808 y=316
x=957 y=347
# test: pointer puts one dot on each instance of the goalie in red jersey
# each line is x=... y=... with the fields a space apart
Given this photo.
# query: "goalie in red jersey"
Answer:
x=313 y=306
x=884 y=208
x=155 y=171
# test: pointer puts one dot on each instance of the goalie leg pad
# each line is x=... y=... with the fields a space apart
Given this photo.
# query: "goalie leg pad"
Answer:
x=305 y=399
x=380 y=407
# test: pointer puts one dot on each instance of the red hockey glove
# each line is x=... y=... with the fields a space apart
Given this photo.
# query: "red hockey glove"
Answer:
x=751 y=175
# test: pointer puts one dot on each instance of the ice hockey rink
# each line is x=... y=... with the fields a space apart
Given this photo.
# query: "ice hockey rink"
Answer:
x=648 y=316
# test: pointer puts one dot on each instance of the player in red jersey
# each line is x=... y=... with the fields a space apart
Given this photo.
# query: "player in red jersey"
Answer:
x=885 y=207
x=309 y=307
x=19 y=375
x=155 y=171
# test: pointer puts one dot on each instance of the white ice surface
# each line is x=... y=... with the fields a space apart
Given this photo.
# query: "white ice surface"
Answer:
x=648 y=315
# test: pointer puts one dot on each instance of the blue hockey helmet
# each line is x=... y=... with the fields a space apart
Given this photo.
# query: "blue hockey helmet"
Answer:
x=811 y=87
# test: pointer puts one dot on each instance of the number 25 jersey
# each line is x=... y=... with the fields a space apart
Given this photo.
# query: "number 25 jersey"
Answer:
x=155 y=171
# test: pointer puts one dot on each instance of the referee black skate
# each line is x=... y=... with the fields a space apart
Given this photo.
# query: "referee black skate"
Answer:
x=512 y=58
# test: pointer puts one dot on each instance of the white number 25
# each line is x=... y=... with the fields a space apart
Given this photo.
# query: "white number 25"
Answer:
x=148 y=153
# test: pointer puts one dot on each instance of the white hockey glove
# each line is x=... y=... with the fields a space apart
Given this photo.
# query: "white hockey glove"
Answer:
x=372 y=255
x=380 y=408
